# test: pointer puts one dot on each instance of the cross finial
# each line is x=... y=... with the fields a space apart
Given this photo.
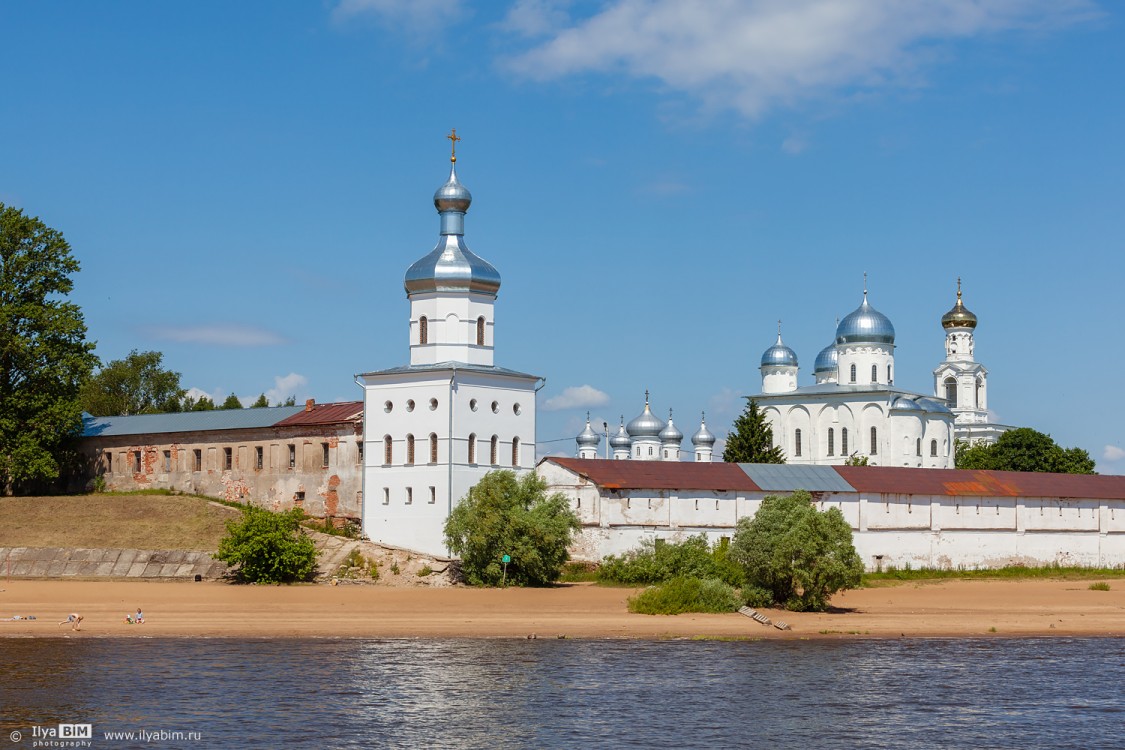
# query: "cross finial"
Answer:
x=958 y=287
x=702 y=417
x=865 y=283
x=646 y=396
x=669 y=415
x=453 y=137
x=779 y=327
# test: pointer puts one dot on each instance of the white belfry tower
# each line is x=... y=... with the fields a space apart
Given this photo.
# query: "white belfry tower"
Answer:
x=962 y=381
x=433 y=428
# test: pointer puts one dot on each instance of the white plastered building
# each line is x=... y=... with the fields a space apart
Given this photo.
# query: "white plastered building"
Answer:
x=434 y=427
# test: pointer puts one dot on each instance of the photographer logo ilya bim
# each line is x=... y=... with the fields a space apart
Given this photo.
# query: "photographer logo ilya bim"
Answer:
x=60 y=735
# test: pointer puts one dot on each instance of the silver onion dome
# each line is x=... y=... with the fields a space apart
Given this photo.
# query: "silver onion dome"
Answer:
x=779 y=355
x=646 y=424
x=621 y=439
x=451 y=266
x=905 y=403
x=671 y=433
x=959 y=316
x=865 y=325
x=588 y=438
x=827 y=361
x=703 y=436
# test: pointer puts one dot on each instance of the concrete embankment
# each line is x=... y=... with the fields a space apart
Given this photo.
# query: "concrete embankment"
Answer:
x=65 y=562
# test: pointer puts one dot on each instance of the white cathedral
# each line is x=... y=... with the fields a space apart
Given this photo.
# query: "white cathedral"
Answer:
x=434 y=427
x=853 y=410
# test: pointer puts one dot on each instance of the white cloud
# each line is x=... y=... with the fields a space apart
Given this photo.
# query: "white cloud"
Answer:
x=534 y=17
x=755 y=55
x=285 y=386
x=794 y=145
x=414 y=15
x=218 y=335
x=726 y=403
x=576 y=397
x=1112 y=453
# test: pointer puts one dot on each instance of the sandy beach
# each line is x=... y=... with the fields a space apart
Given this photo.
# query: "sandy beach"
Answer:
x=208 y=609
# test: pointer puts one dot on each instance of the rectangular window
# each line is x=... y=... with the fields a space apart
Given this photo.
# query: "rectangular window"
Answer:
x=259 y=458
x=831 y=441
x=433 y=495
x=409 y=495
x=108 y=462
x=167 y=461
x=843 y=441
x=197 y=460
x=292 y=456
x=228 y=459
x=386 y=496
x=874 y=442
x=324 y=455
x=359 y=453
x=136 y=462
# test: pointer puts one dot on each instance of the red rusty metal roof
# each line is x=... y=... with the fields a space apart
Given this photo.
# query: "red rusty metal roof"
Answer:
x=343 y=411
x=659 y=475
x=907 y=481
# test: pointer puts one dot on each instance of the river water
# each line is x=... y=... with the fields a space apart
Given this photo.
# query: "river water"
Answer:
x=328 y=693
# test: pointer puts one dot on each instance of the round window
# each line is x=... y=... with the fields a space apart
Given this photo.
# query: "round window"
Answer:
x=410 y=404
x=473 y=404
x=516 y=409
x=433 y=404
x=388 y=406
x=495 y=407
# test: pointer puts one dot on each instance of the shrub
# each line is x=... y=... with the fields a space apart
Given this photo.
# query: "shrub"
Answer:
x=797 y=554
x=684 y=594
x=425 y=571
x=656 y=562
x=268 y=547
x=1099 y=586
x=508 y=515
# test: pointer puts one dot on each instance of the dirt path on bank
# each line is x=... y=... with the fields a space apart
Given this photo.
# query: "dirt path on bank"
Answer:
x=950 y=608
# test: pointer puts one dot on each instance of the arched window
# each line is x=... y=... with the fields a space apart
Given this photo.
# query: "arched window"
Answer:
x=933 y=448
x=480 y=331
x=976 y=395
x=515 y=452
x=853 y=373
x=951 y=392
x=388 y=453
x=797 y=442
x=874 y=373
x=494 y=453
x=874 y=442
x=843 y=441
x=423 y=330
x=831 y=441
x=890 y=378
x=473 y=448
x=433 y=447
x=409 y=450
x=918 y=446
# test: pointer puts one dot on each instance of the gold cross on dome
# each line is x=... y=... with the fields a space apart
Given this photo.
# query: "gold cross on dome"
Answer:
x=454 y=138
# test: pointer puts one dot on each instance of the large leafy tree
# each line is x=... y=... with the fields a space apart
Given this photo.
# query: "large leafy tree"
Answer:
x=1024 y=449
x=268 y=547
x=794 y=555
x=751 y=440
x=232 y=402
x=44 y=355
x=508 y=515
x=138 y=384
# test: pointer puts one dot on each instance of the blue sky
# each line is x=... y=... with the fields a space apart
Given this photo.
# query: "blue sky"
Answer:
x=657 y=182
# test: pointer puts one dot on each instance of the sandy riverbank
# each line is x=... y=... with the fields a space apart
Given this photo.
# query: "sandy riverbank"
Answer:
x=952 y=608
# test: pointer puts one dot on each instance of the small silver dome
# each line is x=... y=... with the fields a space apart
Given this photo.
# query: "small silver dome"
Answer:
x=671 y=434
x=865 y=325
x=933 y=407
x=588 y=438
x=827 y=361
x=779 y=355
x=646 y=424
x=452 y=196
x=703 y=436
x=905 y=403
x=621 y=439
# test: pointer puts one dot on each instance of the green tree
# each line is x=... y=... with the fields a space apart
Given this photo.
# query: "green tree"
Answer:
x=261 y=403
x=291 y=401
x=138 y=384
x=268 y=547
x=794 y=555
x=1023 y=449
x=203 y=403
x=856 y=460
x=751 y=441
x=232 y=402
x=44 y=355
x=508 y=515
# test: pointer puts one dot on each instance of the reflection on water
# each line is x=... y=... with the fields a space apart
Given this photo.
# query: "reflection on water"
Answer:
x=1031 y=693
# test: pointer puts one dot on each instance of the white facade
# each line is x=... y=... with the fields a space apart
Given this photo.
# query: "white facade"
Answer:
x=890 y=527
x=433 y=428
x=854 y=409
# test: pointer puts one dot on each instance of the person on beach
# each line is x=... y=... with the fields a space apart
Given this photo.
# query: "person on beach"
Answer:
x=74 y=619
x=140 y=618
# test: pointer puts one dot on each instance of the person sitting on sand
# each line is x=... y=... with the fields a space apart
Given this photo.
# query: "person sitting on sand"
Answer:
x=74 y=619
x=140 y=618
